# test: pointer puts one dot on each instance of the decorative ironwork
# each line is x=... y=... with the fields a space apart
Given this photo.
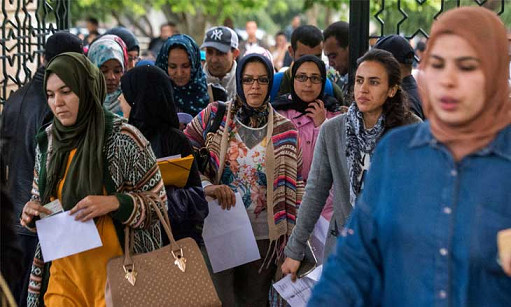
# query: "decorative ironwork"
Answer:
x=394 y=16
x=386 y=8
x=24 y=28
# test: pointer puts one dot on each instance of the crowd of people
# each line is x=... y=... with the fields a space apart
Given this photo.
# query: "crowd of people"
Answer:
x=413 y=177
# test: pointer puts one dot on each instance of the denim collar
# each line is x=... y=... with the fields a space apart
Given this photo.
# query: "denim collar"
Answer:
x=500 y=146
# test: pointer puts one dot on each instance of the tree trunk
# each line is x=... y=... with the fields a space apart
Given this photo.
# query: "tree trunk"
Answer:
x=149 y=25
x=312 y=15
x=328 y=16
x=138 y=25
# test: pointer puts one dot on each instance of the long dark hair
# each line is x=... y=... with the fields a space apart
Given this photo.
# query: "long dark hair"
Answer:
x=395 y=108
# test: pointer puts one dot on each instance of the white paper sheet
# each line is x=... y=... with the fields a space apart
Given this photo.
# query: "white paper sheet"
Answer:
x=229 y=237
x=174 y=157
x=318 y=238
x=60 y=236
x=298 y=293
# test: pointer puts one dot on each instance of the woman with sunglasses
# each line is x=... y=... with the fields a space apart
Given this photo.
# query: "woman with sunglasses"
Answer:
x=344 y=149
x=256 y=153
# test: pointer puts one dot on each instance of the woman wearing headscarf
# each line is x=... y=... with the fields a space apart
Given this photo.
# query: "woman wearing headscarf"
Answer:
x=256 y=153
x=97 y=166
x=109 y=54
x=180 y=59
x=344 y=150
x=424 y=231
x=132 y=44
x=148 y=91
x=307 y=106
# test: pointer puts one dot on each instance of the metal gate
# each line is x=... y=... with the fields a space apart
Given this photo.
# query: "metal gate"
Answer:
x=360 y=18
x=25 y=25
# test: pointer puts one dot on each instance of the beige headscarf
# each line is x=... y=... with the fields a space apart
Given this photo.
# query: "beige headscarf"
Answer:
x=486 y=33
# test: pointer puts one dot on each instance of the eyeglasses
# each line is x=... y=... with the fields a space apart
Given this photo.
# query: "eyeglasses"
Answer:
x=314 y=78
x=260 y=80
x=133 y=58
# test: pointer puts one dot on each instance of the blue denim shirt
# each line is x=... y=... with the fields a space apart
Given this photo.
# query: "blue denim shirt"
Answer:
x=424 y=231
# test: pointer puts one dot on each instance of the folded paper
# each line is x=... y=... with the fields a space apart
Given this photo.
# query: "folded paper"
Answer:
x=61 y=236
x=175 y=170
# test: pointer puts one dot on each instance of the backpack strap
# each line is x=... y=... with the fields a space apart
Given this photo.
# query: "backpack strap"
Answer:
x=217 y=120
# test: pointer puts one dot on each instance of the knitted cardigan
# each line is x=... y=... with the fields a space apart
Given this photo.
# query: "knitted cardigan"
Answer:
x=130 y=168
x=283 y=167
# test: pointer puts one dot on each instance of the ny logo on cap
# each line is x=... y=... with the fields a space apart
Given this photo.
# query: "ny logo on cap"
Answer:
x=217 y=34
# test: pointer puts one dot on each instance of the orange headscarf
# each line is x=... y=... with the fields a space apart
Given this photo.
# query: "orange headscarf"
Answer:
x=486 y=33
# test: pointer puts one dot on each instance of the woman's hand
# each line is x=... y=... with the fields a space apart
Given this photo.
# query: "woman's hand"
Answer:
x=93 y=206
x=223 y=193
x=290 y=266
x=317 y=112
x=504 y=247
x=506 y=264
x=32 y=209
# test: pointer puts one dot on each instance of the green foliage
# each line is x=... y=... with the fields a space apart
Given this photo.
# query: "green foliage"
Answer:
x=334 y=4
x=274 y=15
x=102 y=10
x=421 y=16
x=418 y=16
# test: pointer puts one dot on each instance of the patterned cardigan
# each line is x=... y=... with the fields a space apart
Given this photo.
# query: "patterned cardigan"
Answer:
x=130 y=168
x=283 y=167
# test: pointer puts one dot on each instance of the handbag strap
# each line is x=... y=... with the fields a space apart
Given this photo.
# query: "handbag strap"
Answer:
x=148 y=198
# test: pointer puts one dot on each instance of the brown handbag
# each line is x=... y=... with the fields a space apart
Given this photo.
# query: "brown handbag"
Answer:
x=174 y=275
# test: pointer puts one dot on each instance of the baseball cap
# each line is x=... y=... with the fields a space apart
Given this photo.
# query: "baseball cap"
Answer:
x=398 y=46
x=221 y=38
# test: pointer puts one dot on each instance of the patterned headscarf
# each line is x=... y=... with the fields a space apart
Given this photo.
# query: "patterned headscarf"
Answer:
x=359 y=140
x=193 y=97
x=252 y=117
x=106 y=48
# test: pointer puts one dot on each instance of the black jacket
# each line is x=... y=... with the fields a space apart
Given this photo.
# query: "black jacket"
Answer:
x=24 y=113
x=187 y=206
x=409 y=85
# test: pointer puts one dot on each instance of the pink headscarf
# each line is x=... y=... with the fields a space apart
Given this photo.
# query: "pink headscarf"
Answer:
x=486 y=33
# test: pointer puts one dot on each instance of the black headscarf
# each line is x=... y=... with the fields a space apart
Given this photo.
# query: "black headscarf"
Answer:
x=148 y=90
x=253 y=117
x=60 y=42
x=296 y=103
x=127 y=37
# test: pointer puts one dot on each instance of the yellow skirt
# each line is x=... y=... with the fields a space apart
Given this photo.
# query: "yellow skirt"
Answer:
x=80 y=279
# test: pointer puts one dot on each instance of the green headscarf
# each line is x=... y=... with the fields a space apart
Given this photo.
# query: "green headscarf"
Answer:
x=87 y=135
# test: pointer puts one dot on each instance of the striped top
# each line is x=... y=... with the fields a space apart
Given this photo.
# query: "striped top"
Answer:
x=283 y=160
x=130 y=168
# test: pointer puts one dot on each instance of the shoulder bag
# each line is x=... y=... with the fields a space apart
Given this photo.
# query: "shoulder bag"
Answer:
x=174 y=275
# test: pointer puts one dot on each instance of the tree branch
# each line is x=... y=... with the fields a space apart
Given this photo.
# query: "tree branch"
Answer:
x=137 y=24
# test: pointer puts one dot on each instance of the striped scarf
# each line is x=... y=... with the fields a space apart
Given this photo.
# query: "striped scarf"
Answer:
x=288 y=186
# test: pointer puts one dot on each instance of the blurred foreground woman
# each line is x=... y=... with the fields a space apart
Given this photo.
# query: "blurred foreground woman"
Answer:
x=424 y=230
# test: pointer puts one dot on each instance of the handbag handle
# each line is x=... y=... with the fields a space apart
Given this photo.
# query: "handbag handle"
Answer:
x=149 y=197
